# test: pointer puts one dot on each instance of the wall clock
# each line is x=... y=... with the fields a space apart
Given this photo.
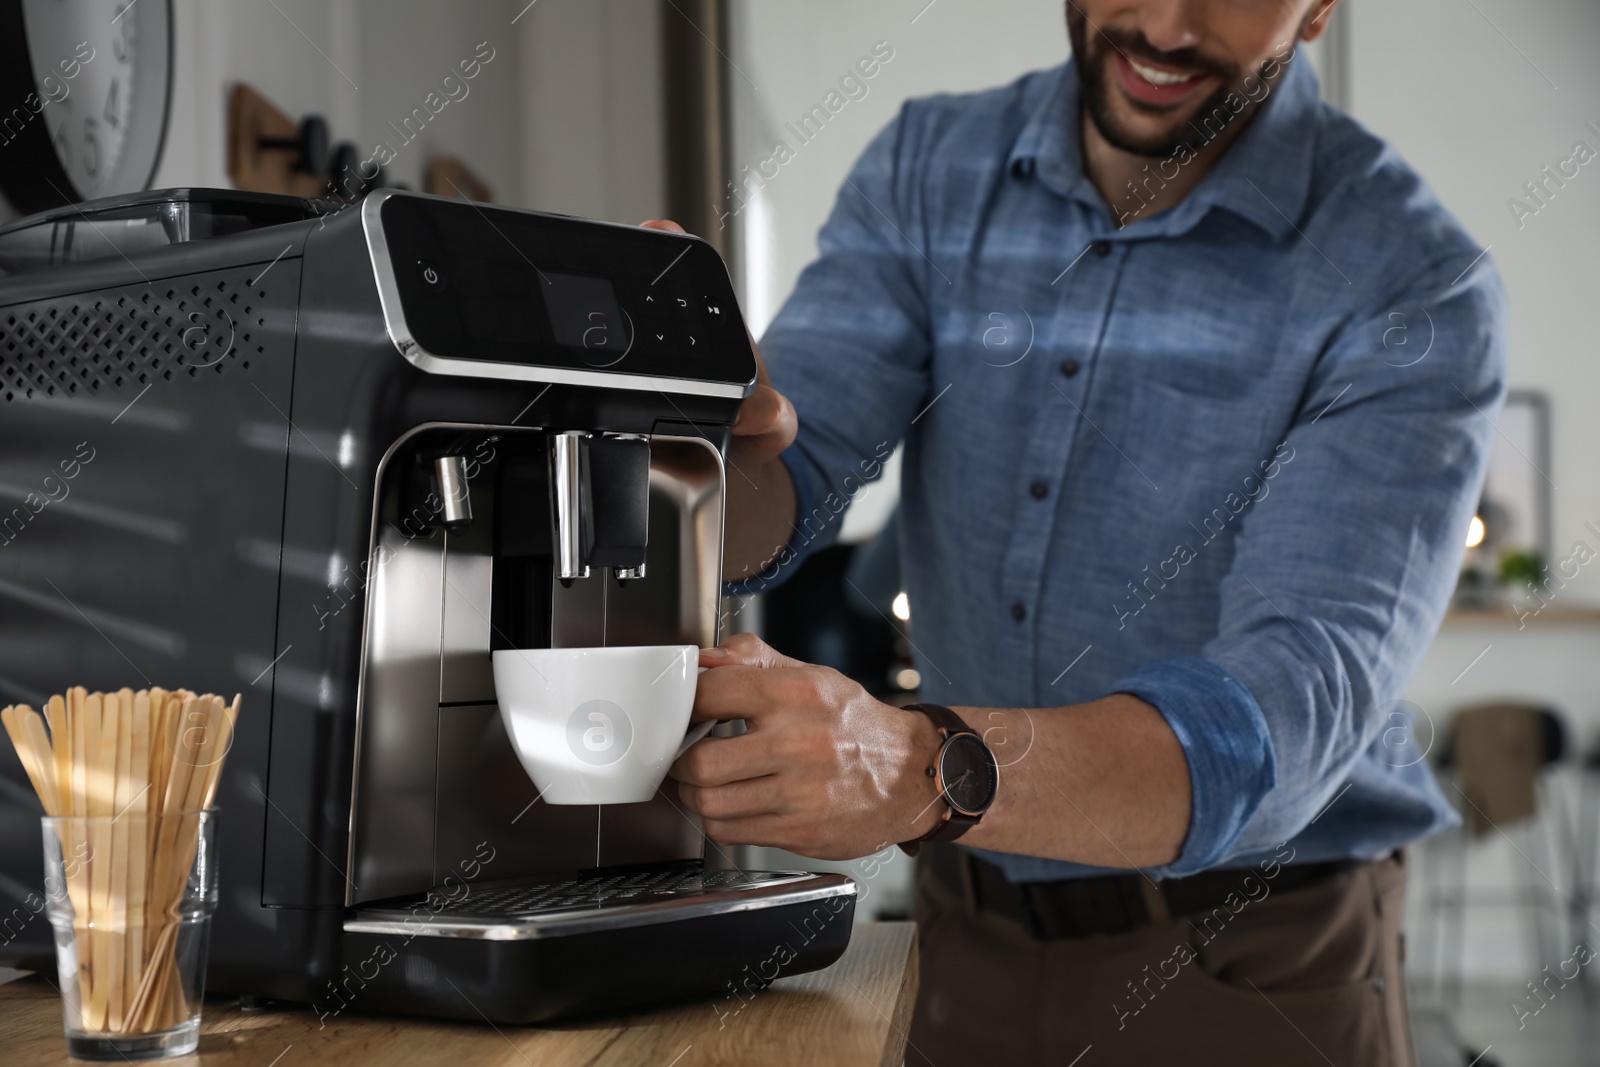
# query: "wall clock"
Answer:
x=84 y=88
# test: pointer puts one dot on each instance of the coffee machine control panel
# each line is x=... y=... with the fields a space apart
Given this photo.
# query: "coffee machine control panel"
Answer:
x=496 y=292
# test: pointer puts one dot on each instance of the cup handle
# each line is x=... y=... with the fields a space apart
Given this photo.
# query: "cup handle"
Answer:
x=695 y=734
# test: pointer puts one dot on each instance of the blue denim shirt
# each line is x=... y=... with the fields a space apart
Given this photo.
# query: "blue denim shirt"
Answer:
x=1223 y=458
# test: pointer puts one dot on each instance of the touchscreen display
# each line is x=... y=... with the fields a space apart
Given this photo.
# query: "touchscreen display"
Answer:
x=584 y=313
x=490 y=284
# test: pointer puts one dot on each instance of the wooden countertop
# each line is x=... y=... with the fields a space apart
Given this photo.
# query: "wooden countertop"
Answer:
x=856 y=1012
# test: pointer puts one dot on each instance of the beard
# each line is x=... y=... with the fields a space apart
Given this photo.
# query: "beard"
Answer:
x=1094 y=62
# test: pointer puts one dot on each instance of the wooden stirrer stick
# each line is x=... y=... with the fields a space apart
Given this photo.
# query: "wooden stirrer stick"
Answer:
x=139 y=852
x=32 y=760
x=120 y=705
x=228 y=718
x=165 y=876
x=83 y=859
x=77 y=722
x=61 y=740
x=101 y=758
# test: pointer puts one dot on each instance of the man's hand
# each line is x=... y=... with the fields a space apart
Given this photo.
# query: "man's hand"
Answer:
x=760 y=493
x=766 y=424
x=823 y=770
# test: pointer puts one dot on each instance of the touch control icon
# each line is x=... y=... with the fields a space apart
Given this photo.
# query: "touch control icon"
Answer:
x=599 y=732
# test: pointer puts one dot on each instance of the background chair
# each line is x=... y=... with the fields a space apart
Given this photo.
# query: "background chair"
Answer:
x=1499 y=763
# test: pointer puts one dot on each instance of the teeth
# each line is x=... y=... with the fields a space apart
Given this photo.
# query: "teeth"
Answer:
x=1158 y=77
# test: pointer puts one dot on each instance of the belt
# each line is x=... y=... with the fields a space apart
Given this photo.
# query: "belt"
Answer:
x=1111 y=903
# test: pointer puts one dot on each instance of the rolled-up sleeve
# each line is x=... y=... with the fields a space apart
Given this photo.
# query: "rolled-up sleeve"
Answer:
x=1228 y=746
x=1340 y=576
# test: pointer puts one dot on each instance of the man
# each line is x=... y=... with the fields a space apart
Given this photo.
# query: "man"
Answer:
x=1196 y=382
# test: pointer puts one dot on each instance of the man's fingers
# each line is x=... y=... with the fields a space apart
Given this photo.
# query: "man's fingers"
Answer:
x=766 y=422
x=760 y=412
x=663 y=224
x=715 y=761
x=780 y=831
x=746 y=650
x=755 y=693
x=737 y=800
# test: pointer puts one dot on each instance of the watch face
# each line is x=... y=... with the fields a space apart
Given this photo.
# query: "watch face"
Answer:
x=969 y=774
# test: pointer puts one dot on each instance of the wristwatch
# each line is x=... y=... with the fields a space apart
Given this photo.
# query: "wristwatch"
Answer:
x=965 y=772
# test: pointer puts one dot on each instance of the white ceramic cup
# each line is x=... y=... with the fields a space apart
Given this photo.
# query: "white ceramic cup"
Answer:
x=598 y=725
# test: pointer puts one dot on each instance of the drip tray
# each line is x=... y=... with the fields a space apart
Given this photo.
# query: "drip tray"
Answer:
x=595 y=901
x=537 y=950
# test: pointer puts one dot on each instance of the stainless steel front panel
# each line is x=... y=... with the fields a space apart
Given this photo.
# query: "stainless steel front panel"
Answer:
x=436 y=774
x=486 y=799
x=678 y=601
x=578 y=611
x=392 y=814
x=687 y=486
x=466 y=673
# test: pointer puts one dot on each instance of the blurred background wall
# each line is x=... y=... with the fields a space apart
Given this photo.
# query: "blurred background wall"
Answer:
x=566 y=116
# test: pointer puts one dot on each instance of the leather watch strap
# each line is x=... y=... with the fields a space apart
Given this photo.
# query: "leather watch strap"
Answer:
x=954 y=824
x=943 y=718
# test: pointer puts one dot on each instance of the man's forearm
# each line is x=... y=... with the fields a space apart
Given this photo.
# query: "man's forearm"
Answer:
x=1104 y=783
x=761 y=508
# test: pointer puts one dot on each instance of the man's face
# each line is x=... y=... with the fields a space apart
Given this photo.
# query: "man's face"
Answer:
x=1147 y=68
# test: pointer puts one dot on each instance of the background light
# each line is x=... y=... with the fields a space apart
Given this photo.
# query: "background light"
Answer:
x=902 y=606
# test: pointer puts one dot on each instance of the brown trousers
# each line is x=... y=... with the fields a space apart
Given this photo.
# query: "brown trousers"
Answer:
x=1310 y=975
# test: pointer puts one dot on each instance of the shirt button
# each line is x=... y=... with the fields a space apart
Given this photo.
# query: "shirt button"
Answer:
x=1070 y=367
x=1039 y=490
x=1101 y=248
x=1019 y=612
x=1022 y=169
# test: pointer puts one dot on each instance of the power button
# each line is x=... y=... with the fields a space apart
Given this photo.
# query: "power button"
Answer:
x=432 y=276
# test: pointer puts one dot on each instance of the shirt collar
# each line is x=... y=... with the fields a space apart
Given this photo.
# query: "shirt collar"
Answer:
x=1264 y=177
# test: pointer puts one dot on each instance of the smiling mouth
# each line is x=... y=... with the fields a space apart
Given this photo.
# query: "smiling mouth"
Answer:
x=1156 y=86
x=1163 y=78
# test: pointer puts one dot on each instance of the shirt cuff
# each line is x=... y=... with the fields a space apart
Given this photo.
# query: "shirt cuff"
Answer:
x=800 y=544
x=1225 y=740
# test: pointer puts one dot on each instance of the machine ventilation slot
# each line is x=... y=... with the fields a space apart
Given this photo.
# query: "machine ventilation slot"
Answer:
x=126 y=339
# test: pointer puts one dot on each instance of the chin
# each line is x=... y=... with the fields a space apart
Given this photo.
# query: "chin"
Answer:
x=1138 y=127
x=1141 y=128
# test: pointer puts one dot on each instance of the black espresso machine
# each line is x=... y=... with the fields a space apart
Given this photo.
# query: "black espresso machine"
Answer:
x=333 y=460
